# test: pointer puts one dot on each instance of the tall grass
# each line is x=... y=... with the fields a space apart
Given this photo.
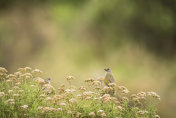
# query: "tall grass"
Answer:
x=25 y=94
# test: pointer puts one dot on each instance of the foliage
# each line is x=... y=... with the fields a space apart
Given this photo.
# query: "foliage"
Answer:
x=26 y=94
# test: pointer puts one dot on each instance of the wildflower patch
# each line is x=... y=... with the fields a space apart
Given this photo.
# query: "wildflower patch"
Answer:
x=26 y=94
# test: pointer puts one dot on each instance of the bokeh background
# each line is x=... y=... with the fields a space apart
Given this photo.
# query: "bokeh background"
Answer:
x=135 y=38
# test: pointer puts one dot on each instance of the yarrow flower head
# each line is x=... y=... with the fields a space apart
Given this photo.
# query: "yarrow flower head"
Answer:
x=157 y=116
x=89 y=80
x=142 y=112
x=69 y=112
x=24 y=107
x=112 y=85
x=73 y=101
x=10 y=91
x=123 y=89
x=15 y=95
x=3 y=70
x=3 y=73
x=96 y=83
x=36 y=72
x=82 y=88
x=62 y=104
x=103 y=115
x=2 y=94
x=59 y=109
x=70 y=78
x=78 y=114
x=39 y=80
x=28 y=69
x=153 y=94
x=10 y=101
x=91 y=114
x=100 y=111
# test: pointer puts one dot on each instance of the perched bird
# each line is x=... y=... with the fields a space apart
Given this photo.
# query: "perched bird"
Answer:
x=108 y=77
x=48 y=80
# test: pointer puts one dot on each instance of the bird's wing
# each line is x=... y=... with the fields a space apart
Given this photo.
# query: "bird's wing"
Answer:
x=111 y=79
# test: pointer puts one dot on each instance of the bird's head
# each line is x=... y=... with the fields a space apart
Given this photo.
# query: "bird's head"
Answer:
x=107 y=69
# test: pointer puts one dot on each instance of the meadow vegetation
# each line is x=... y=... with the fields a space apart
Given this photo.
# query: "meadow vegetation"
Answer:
x=25 y=94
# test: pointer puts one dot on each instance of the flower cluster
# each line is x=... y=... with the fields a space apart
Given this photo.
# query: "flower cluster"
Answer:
x=140 y=97
x=3 y=73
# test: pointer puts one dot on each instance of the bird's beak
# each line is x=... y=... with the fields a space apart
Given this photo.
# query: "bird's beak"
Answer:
x=105 y=69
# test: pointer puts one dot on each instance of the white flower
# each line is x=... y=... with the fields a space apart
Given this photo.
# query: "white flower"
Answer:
x=59 y=109
x=119 y=107
x=24 y=106
x=10 y=91
x=10 y=101
x=62 y=104
x=15 y=95
x=73 y=101
x=69 y=112
x=2 y=94
x=39 y=80
x=91 y=114
x=100 y=111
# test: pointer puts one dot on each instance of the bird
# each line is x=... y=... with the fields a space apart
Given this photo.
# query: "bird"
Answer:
x=48 y=80
x=108 y=77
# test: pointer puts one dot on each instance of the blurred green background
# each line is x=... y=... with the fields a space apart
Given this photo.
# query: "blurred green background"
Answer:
x=136 y=39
